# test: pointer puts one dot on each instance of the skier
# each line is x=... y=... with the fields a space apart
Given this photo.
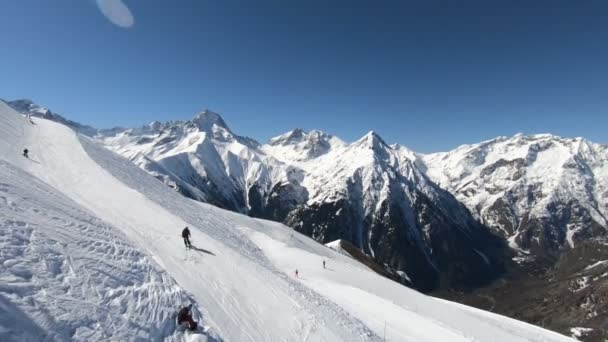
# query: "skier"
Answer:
x=25 y=153
x=186 y=236
x=296 y=273
x=323 y=264
x=185 y=316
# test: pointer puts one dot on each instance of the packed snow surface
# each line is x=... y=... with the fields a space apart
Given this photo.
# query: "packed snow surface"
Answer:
x=91 y=250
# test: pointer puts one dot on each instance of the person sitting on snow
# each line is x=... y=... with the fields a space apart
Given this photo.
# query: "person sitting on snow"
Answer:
x=185 y=316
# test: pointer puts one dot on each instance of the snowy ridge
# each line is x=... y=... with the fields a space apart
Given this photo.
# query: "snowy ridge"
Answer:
x=202 y=158
x=241 y=276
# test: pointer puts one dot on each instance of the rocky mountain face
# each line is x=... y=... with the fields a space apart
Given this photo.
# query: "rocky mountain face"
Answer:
x=374 y=196
x=543 y=193
x=547 y=196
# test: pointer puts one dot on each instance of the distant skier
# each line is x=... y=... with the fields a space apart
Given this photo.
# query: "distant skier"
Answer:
x=26 y=153
x=297 y=273
x=185 y=316
x=186 y=236
x=323 y=264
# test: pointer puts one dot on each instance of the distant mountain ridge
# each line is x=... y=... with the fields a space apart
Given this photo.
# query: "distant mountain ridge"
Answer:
x=542 y=192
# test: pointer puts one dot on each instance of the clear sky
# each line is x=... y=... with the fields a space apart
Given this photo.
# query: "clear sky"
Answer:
x=427 y=74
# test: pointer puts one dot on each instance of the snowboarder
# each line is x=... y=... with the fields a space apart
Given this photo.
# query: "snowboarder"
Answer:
x=185 y=316
x=323 y=264
x=26 y=153
x=186 y=236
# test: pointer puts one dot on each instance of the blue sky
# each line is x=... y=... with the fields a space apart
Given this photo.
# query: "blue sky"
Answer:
x=428 y=74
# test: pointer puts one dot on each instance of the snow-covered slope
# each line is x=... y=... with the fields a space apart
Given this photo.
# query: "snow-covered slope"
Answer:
x=240 y=275
x=65 y=274
x=542 y=192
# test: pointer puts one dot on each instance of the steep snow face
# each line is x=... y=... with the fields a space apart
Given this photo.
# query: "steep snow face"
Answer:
x=240 y=275
x=542 y=192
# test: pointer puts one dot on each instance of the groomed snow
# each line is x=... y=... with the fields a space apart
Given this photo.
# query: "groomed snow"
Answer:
x=240 y=277
x=66 y=275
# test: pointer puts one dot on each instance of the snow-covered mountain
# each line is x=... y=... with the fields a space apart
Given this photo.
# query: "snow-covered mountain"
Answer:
x=201 y=158
x=542 y=192
x=367 y=192
x=374 y=196
x=91 y=251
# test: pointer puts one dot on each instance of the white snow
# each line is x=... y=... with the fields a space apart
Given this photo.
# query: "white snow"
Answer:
x=113 y=266
x=483 y=256
x=579 y=284
x=570 y=231
x=336 y=246
x=601 y=262
x=579 y=331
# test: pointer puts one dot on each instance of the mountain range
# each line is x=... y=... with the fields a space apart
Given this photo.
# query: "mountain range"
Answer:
x=452 y=221
x=91 y=250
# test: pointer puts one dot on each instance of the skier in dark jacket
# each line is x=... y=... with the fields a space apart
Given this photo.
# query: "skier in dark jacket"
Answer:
x=26 y=153
x=186 y=236
x=185 y=316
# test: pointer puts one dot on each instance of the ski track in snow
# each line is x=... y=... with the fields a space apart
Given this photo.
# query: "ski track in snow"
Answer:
x=240 y=275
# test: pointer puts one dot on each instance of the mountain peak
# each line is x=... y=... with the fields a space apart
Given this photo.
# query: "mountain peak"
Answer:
x=155 y=125
x=298 y=132
x=207 y=119
x=371 y=140
x=27 y=106
x=24 y=102
x=292 y=137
